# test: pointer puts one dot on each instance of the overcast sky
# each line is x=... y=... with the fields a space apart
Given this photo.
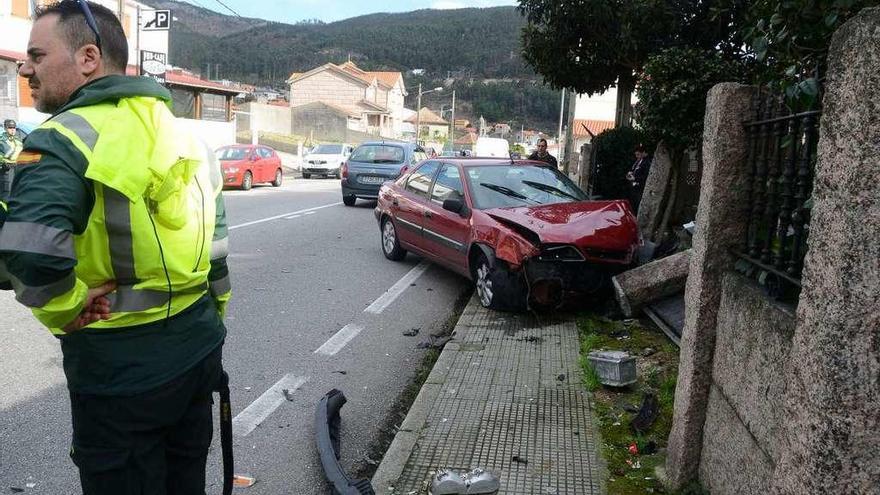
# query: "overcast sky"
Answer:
x=292 y=11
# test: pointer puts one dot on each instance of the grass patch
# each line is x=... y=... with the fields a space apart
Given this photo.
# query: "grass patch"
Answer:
x=657 y=365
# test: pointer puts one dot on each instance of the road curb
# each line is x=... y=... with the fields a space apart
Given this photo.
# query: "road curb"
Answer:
x=401 y=447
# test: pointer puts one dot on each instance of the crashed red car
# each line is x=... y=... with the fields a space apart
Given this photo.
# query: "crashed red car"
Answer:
x=522 y=231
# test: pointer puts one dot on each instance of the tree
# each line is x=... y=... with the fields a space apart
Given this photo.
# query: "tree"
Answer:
x=791 y=38
x=593 y=45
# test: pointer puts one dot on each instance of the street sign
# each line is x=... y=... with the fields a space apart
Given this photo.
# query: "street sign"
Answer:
x=153 y=65
x=157 y=20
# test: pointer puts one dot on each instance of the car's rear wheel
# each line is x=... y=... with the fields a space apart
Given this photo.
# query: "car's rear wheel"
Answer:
x=247 y=182
x=349 y=200
x=390 y=245
x=306 y=176
x=278 y=178
x=497 y=287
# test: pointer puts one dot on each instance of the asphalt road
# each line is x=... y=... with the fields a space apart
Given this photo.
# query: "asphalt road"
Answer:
x=310 y=313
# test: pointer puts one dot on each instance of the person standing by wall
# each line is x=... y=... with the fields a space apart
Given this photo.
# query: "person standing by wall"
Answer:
x=105 y=240
x=10 y=146
x=637 y=176
x=542 y=155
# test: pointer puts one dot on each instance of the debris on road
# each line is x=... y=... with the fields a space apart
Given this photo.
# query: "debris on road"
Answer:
x=520 y=459
x=288 y=394
x=341 y=372
x=647 y=413
x=434 y=342
x=243 y=481
x=412 y=332
x=561 y=377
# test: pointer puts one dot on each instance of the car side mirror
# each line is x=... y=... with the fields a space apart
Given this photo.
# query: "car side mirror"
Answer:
x=455 y=205
x=254 y=158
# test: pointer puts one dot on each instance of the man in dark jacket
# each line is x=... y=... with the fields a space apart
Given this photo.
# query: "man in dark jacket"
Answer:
x=637 y=176
x=541 y=154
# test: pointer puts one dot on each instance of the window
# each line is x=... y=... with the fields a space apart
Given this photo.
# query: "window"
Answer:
x=328 y=149
x=378 y=153
x=213 y=107
x=420 y=180
x=418 y=155
x=232 y=154
x=448 y=185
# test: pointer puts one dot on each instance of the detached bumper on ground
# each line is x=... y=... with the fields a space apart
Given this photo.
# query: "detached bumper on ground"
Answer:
x=327 y=437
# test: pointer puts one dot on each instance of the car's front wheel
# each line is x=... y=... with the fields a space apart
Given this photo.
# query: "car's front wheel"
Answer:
x=390 y=245
x=247 y=182
x=497 y=287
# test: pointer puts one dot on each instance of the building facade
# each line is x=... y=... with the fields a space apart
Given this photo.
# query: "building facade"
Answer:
x=373 y=99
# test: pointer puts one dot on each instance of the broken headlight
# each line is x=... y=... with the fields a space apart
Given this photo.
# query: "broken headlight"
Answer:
x=560 y=253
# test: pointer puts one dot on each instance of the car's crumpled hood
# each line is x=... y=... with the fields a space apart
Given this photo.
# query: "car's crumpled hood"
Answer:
x=597 y=224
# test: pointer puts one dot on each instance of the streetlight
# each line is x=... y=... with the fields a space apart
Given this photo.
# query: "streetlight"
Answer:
x=419 y=109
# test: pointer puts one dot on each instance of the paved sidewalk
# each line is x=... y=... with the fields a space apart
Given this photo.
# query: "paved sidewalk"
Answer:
x=506 y=396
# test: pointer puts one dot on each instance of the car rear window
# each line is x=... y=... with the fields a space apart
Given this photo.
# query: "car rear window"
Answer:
x=378 y=154
x=328 y=149
x=232 y=153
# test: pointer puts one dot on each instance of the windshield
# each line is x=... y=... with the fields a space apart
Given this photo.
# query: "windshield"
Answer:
x=520 y=185
x=232 y=153
x=327 y=149
x=378 y=154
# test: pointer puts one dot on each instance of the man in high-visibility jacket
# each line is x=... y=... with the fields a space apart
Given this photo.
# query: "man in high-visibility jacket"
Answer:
x=115 y=237
x=10 y=146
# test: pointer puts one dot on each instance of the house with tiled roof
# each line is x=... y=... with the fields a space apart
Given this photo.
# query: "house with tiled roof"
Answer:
x=584 y=130
x=375 y=99
x=432 y=125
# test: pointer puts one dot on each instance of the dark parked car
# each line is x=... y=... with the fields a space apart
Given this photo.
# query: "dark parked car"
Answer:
x=371 y=164
x=522 y=231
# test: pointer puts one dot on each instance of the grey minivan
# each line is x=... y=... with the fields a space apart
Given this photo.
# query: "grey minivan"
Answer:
x=373 y=163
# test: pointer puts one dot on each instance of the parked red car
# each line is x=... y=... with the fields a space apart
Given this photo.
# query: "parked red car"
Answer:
x=522 y=231
x=245 y=165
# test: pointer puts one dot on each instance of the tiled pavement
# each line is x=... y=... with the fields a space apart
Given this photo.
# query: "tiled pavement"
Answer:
x=506 y=396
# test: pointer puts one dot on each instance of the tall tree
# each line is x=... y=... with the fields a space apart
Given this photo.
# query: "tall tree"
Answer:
x=593 y=45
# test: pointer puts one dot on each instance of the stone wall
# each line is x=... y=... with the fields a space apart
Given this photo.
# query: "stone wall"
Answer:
x=268 y=118
x=752 y=345
x=764 y=403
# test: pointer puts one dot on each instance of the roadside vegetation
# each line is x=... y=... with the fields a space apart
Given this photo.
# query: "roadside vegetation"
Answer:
x=631 y=457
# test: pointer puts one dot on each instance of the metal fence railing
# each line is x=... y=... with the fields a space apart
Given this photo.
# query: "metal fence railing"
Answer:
x=781 y=160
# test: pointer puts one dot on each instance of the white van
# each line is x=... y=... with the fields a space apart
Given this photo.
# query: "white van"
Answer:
x=491 y=147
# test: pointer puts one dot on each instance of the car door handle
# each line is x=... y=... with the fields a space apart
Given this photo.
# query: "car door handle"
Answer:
x=428 y=214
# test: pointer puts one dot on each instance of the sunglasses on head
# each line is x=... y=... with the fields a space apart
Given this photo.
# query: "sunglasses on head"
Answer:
x=90 y=20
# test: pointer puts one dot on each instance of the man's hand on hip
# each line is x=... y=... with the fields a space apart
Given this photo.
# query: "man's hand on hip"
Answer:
x=96 y=307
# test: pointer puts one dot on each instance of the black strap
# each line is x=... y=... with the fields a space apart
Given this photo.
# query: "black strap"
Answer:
x=226 y=433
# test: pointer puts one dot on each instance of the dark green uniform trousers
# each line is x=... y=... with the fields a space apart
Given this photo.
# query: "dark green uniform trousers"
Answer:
x=153 y=443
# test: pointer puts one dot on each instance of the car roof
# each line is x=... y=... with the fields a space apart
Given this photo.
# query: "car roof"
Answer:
x=387 y=143
x=476 y=161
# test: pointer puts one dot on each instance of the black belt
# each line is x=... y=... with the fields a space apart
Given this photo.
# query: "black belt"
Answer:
x=226 y=433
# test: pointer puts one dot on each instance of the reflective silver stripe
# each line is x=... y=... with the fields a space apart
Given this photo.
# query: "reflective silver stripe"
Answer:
x=37 y=297
x=220 y=286
x=29 y=237
x=443 y=239
x=129 y=299
x=79 y=126
x=220 y=248
x=408 y=224
x=117 y=219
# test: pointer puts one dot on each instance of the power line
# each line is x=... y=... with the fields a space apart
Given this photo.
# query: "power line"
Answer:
x=228 y=8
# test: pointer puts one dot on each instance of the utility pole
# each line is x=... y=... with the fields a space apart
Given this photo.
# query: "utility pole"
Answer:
x=419 y=114
x=561 y=111
x=137 y=37
x=452 y=137
x=121 y=6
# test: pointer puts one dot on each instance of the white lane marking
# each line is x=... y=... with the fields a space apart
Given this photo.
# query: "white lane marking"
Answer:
x=265 y=405
x=397 y=289
x=268 y=219
x=291 y=217
x=309 y=213
x=335 y=343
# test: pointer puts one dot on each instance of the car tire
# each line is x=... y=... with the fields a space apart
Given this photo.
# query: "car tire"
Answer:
x=247 y=182
x=306 y=176
x=349 y=200
x=278 y=178
x=497 y=287
x=390 y=244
